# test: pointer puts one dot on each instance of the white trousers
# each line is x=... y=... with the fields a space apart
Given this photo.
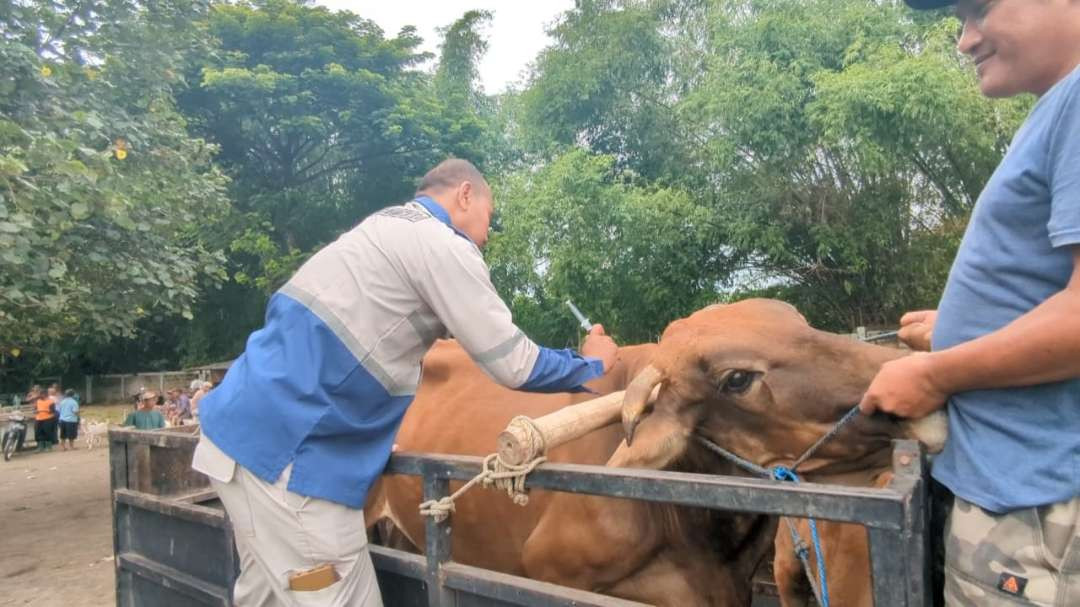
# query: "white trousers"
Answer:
x=279 y=533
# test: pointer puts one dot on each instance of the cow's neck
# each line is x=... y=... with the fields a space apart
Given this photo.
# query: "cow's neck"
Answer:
x=861 y=472
x=854 y=478
x=870 y=440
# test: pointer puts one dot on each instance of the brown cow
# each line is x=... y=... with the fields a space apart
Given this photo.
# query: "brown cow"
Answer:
x=650 y=553
x=755 y=378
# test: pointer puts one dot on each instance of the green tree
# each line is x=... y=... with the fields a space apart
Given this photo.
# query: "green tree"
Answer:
x=608 y=82
x=479 y=130
x=633 y=256
x=100 y=184
x=840 y=144
x=321 y=120
x=848 y=143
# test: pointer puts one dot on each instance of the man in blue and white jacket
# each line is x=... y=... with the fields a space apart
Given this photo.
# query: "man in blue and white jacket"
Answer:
x=305 y=419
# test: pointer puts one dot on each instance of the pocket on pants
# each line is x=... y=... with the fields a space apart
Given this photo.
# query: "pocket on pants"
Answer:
x=998 y=558
x=356 y=588
x=1059 y=535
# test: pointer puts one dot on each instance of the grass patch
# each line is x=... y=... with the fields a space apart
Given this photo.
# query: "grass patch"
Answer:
x=113 y=413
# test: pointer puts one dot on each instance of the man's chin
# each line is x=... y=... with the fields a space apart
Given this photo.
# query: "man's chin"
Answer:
x=996 y=89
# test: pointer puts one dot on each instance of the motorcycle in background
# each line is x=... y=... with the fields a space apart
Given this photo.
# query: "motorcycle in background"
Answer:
x=14 y=434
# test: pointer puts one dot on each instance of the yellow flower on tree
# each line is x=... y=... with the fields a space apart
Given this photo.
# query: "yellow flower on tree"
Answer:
x=46 y=71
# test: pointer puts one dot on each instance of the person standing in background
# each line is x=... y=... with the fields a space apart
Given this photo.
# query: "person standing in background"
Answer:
x=69 y=420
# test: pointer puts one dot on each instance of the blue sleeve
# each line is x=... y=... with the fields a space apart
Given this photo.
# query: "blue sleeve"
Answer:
x=1064 y=169
x=561 y=371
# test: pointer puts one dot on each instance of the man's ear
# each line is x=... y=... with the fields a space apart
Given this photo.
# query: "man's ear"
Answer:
x=464 y=195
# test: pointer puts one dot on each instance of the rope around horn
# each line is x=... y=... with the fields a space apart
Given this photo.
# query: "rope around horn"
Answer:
x=533 y=437
x=494 y=472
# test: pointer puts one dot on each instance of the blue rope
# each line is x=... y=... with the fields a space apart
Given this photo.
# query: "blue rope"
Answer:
x=782 y=473
x=785 y=474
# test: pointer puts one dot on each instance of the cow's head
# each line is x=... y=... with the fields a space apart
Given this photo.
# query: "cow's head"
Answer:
x=756 y=378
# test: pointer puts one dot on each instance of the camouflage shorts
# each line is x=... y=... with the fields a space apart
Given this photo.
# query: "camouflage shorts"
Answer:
x=1026 y=557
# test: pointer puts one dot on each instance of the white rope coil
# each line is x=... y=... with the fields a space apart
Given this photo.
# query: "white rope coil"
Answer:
x=495 y=472
x=529 y=439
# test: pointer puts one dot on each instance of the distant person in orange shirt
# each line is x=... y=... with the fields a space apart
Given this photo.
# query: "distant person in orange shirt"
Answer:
x=44 y=420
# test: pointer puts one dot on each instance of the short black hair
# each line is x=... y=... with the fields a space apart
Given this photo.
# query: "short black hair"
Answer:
x=450 y=173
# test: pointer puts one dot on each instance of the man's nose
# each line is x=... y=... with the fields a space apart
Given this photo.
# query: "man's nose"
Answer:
x=970 y=37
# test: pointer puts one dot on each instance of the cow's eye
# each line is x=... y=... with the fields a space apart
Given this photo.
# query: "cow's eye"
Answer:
x=738 y=382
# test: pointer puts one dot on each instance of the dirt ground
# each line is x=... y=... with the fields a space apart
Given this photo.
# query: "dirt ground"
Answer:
x=56 y=527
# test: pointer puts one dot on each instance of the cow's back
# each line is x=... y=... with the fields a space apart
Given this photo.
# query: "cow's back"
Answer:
x=460 y=410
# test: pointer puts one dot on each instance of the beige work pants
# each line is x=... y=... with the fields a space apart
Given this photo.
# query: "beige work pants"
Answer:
x=279 y=533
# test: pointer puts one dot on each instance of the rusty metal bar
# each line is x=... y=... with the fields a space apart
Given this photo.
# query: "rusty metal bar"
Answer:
x=880 y=508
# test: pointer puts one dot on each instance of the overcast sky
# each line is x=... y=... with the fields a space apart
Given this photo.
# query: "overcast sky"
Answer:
x=515 y=36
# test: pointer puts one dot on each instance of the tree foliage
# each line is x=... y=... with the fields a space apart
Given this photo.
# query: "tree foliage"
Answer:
x=635 y=256
x=606 y=82
x=100 y=183
x=321 y=119
x=664 y=154
x=839 y=145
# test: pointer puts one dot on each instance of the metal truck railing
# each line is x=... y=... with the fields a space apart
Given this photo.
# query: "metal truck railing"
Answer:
x=173 y=542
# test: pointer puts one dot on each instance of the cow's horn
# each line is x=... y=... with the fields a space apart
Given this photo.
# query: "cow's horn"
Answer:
x=637 y=399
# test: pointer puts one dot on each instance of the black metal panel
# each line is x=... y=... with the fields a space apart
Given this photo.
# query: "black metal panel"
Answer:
x=155 y=584
x=871 y=507
x=437 y=544
x=513 y=590
x=910 y=466
x=146 y=592
x=476 y=586
x=471 y=600
x=888 y=568
x=125 y=580
x=398 y=562
x=401 y=576
x=175 y=552
x=401 y=591
x=118 y=480
x=192 y=548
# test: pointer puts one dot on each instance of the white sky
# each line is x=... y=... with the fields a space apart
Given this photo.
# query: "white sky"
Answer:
x=515 y=35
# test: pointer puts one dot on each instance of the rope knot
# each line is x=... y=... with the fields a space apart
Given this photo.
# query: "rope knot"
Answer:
x=802 y=551
x=493 y=473
x=439 y=509
x=783 y=473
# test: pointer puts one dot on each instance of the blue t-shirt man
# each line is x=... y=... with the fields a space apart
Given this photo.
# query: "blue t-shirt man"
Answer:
x=1005 y=357
x=1013 y=448
x=69 y=409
